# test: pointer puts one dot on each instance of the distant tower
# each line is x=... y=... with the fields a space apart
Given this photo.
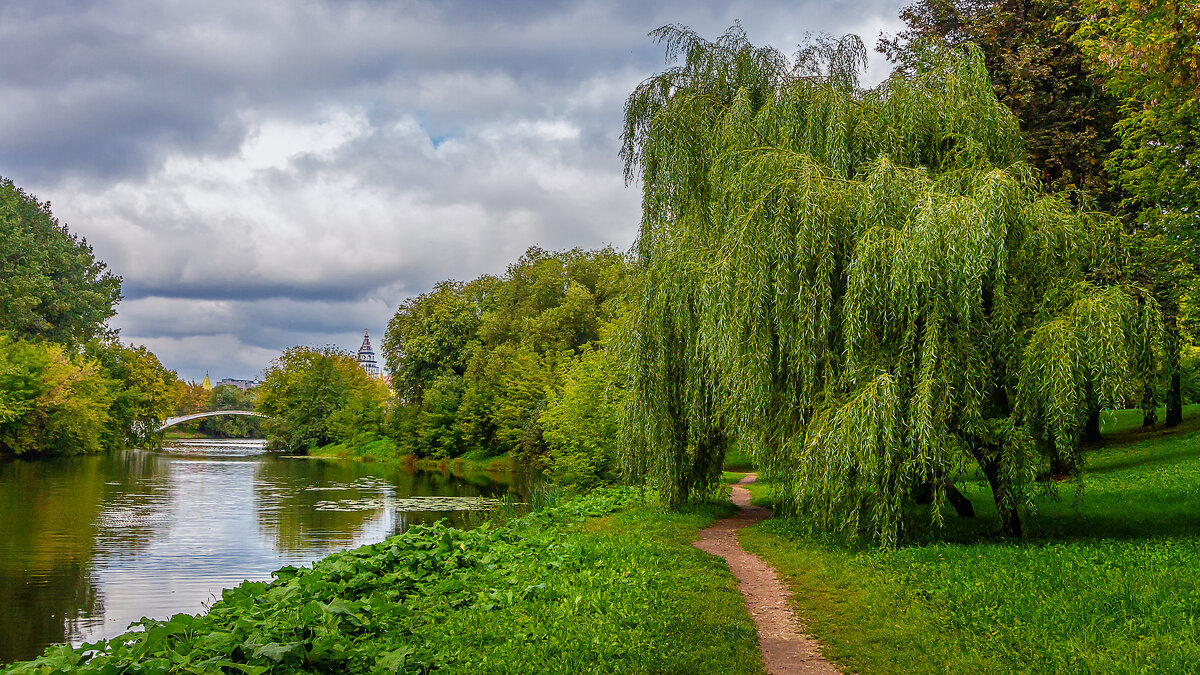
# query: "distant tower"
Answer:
x=366 y=356
x=206 y=384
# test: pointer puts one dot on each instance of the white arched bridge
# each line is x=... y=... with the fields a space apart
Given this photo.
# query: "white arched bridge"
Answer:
x=172 y=421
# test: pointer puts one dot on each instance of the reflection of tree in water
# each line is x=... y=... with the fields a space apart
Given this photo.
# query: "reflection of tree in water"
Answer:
x=137 y=504
x=53 y=604
x=286 y=505
x=303 y=504
x=51 y=513
x=47 y=514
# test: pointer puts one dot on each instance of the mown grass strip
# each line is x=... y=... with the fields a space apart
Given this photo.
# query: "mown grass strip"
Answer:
x=600 y=584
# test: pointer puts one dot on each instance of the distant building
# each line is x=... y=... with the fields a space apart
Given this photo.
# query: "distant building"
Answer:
x=366 y=356
x=206 y=384
x=240 y=384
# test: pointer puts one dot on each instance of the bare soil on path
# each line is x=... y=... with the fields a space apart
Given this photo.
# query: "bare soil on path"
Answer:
x=786 y=650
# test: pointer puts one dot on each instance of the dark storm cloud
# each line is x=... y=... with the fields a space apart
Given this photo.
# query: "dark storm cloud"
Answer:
x=107 y=89
x=275 y=173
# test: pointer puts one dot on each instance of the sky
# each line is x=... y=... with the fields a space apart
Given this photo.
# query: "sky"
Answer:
x=287 y=172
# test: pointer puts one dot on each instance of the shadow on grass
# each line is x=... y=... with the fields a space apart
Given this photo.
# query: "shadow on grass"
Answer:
x=713 y=509
x=1145 y=489
x=1130 y=460
x=1171 y=523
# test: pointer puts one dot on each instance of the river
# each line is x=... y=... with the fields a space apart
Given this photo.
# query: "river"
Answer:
x=89 y=544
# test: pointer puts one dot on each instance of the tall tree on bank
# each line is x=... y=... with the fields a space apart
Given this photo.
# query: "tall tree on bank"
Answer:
x=144 y=393
x=1064 y=111
x=1150 y=58
x=475 y=364
x=315 y=397
x=867 y=290
x=51 y=287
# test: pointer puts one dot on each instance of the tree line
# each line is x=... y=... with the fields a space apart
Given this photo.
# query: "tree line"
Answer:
x=513 y=364
x=194 y=398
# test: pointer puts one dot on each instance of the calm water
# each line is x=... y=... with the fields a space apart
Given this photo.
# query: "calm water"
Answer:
x=89 y=544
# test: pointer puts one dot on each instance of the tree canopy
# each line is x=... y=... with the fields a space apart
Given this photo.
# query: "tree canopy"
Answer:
x=476 y=364
x=144 y=392
x=51 y=286
x=1150 y=60
x=1062 y=106
x=54 y=400
x=866 y=290
x=316 y=397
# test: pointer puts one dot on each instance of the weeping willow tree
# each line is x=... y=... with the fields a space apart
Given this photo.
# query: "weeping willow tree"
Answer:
x=865 y=289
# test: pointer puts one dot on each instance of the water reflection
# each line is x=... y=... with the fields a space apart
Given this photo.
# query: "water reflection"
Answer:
x=46 y=536
x=89 y=544
x=304 y=502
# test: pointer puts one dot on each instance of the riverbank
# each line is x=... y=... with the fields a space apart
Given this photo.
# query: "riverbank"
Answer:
x=602 y=583
x=382 y=450
x=1103 y=582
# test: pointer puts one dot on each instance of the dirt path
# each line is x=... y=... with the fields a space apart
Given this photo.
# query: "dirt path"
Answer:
x=785 y=650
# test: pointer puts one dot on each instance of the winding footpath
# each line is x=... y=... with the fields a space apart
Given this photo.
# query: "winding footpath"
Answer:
x=785 y=649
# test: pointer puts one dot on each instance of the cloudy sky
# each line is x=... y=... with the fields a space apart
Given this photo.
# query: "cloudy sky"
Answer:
x=280 y=172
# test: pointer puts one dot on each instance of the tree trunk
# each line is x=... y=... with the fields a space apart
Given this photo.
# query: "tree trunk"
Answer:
x=1091 y=432
x=1010 y=519
x=1149 y=405
x=1175 y=399
x=962 y=505
x=1175 y=391
x=923 y=494
x=1061 y=466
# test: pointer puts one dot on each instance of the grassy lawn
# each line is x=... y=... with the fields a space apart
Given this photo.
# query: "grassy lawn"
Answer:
x=735 y=460
x=1122 y=421
x=636 y=597
x=1105 y=581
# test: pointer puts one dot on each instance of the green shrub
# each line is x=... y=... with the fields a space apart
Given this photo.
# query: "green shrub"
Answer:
x=580 y=424
x=51 y=402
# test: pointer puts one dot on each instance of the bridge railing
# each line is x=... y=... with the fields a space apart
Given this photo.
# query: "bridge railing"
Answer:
x=172 y=421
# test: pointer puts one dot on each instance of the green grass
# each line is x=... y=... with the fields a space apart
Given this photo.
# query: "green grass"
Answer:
x=736 y=460
x=384 y=450
x=624 y=594
x=1105 y=581
x=598 y=584
x=1122 y=421
x=731 y=477
x=375 y=450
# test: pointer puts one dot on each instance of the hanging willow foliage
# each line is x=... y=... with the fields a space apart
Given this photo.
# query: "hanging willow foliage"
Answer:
x=866 y=290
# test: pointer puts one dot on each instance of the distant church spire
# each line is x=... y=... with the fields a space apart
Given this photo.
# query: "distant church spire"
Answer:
x=206 y=384
x=366 y=356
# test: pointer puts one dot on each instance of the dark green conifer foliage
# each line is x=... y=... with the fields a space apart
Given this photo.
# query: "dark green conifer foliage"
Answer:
x=866 y=290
